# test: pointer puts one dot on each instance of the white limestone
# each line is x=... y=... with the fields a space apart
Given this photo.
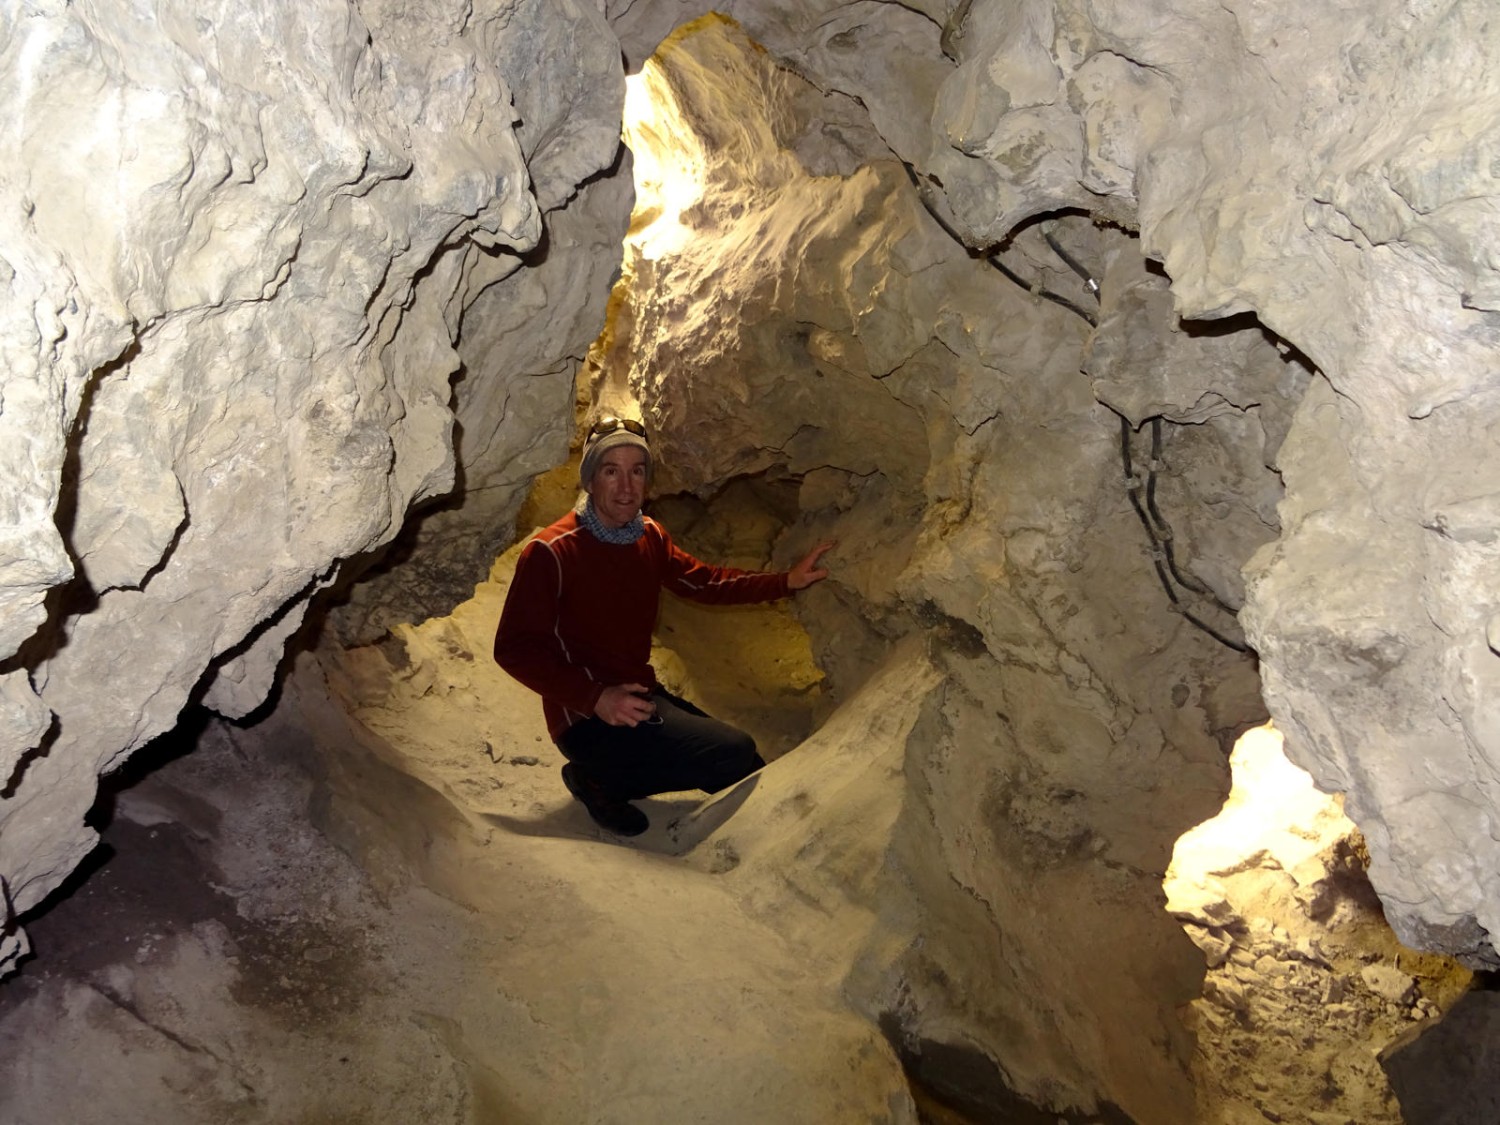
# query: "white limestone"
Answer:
x=261 y=276
x=238 y=252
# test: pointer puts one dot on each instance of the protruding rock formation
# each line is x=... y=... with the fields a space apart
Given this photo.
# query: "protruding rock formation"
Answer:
x=278 y=287
x=936 y=421
x=1324 y=172
x=239 y=252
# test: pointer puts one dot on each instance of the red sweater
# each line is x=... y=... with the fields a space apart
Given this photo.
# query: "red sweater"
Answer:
x=580 y=612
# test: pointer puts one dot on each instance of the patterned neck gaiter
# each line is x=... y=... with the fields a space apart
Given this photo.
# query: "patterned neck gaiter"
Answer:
x=620 y=536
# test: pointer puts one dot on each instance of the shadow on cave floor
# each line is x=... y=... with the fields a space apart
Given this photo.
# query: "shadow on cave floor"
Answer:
x=222 y=963
x=153 y=879
x=139 y=877
x=956 y=1085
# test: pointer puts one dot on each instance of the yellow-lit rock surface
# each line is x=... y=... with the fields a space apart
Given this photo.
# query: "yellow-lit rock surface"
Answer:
x=292 y=310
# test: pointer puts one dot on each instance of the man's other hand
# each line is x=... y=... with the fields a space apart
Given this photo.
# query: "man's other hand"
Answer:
x=625 y=705
x=806 y=572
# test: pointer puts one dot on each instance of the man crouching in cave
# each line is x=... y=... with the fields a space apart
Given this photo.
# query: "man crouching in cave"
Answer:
x=577 y=627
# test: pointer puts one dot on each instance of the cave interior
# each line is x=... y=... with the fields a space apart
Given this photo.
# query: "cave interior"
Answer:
x=1134 y=762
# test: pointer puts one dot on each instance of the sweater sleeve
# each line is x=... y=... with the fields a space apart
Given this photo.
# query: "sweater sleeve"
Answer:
x=697 y=581
x=527 y=644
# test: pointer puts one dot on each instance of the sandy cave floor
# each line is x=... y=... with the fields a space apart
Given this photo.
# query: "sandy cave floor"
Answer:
x=281 y=935
x=230 y=964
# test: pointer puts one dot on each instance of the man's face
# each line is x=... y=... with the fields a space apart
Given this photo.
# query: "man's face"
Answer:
x=619 y=485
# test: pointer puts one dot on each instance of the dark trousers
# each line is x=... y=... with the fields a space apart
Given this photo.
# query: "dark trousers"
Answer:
x=678 y=748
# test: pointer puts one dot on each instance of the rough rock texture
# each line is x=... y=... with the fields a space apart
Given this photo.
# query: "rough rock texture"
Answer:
x=1308 y=988
x=937 y=424
x=236 y=347
x=521 y=340
x=1322 y=166
x=523 y=323
x=230 y=342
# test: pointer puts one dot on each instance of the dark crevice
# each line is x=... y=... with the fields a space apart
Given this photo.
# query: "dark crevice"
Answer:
x=1159 y=535
x=991 y=254
x=76 y=596
x=40 y=750
x=954 y=1084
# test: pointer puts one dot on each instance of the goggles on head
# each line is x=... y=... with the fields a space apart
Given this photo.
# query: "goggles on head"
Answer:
x=609 y=424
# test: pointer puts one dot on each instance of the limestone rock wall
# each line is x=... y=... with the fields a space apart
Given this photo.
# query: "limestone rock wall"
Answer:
x=237 y=248
x=1227 y=141
x=1325 y=168
x=940 y=427
x=1320 y=166
x=522 y=323
x=520 y=340
x=255 y=268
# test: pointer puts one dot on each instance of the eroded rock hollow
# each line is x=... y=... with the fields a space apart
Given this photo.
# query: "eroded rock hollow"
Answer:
x=1139 y=358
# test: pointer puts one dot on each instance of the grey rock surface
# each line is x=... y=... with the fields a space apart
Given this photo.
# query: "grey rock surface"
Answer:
x=1321 y=168
x=936 y=422
x=325 y=265
x=233 y=340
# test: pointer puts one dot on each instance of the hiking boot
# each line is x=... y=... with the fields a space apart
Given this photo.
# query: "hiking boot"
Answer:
x=611 y=813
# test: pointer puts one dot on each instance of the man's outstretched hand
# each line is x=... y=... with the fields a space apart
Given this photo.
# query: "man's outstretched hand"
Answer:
x=806 y=572
x=625 y=705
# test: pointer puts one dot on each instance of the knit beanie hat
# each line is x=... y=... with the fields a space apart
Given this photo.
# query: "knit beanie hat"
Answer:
x=596 y=447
